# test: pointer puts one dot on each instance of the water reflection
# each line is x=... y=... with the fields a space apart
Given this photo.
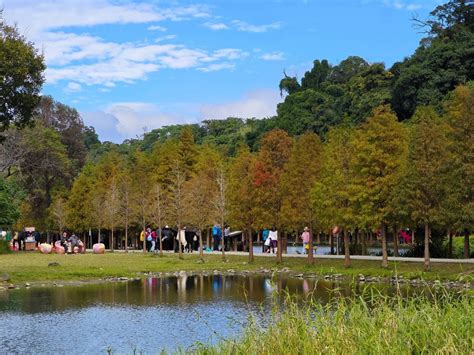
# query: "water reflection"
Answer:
x=184 y=289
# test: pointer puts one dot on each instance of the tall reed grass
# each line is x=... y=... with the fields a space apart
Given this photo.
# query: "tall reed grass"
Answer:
x=427 y=324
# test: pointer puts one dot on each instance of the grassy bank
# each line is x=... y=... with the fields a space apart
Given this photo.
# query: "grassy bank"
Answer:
x=386 y=326
x=25 y=266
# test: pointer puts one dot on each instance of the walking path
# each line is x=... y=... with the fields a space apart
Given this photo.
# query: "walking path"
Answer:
x=359 y=257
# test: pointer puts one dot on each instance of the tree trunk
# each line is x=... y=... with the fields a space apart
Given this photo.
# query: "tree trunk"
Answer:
x=208 y=242
x=450 y=244
x=310 y=250
x=144 y=239
x=467 y=249
x=250 y=245
x=201 y=247
x=223 y=238
x=364 y=242
x=347 y=252
x=355 y=241
x=384 y=246
x=318 y=237
x=161 y=241
x=112 y=240
x=279 y=254
x=395 y=241
x=98 y=236
x=180 y=250
x=427 y=247
x=126 y=236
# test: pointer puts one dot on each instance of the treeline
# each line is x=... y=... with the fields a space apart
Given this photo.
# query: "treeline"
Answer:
x=382 y=174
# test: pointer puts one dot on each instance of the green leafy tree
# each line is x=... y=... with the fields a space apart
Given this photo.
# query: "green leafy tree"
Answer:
x=68 y=123
x=43 y=170
x=9 y=212
x=443 y=60
x=21 y=77
x=367 y=90
x=307 y=110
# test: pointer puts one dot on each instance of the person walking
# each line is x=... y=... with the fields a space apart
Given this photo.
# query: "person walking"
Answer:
x=216 y=235
x=227 y=237
x=273 y=235
x=182 y=237
x=305 y=238
x=153 y=241
x=167 y=238
x=265 y=245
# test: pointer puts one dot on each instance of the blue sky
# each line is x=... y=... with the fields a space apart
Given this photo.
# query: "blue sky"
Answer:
x=132 y=66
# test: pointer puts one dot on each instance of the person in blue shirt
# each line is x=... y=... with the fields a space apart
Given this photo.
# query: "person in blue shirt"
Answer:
x=216 y=235
x=265 y=233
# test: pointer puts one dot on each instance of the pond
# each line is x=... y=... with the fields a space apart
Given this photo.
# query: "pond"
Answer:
x=147 y=315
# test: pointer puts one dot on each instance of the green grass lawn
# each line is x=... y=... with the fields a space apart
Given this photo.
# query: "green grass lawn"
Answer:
x=32 y=266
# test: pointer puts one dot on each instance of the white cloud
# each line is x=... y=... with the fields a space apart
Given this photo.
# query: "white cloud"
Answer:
x=216 y=26
x=123 y=120
x=87 y=59
x=273 y=56
x=403 y=4
x=247 y=27
x=130 y=62
x=216 y=67
x=412 y=7
x=73 y=87
x=156 y=28
x=62 y=48
x=242 y=26
x=105 y=124
x=37 y=16
x=258 y=104
x=229 y=54
x=165 y=38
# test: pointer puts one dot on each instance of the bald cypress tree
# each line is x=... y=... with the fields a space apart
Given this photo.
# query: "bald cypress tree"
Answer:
x=380 y=152
x=460 y=117
x=299 y=178
x=428 y=162
x=332 y=194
